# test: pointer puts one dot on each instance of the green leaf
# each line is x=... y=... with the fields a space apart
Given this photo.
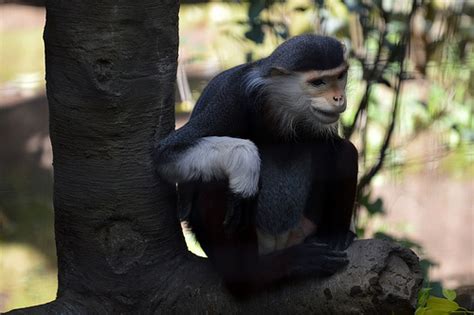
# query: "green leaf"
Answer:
x=256 y=34
x=423 y=296
x=420 y=311
x=376 y=207
x=430 y=311
x=449 y=294
x=440 y=304
x=300 y=9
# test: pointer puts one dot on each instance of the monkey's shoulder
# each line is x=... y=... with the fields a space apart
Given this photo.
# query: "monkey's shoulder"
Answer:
x=225 y=89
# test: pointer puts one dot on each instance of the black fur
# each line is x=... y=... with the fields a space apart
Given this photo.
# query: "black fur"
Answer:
x=307 y=175
x=305 y=52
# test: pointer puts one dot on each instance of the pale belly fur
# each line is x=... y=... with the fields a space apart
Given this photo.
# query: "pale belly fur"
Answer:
x=268 y=243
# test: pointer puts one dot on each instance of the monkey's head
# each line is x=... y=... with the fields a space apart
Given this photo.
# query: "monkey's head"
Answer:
x=304 y=82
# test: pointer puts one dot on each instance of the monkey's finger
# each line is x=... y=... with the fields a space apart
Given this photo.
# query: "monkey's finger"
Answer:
x=331 y=265
x=326 y=249
x=342 y=241
x=344 y=260
x=336 y=253
x=319 y=265
x=347 y=241
x=333 y=262
x=318 y=244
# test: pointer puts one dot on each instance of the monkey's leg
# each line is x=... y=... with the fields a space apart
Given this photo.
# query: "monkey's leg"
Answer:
x=334 y=190
x=232 y=252
x=235 y=254
x=299 y=261
x=245 y=272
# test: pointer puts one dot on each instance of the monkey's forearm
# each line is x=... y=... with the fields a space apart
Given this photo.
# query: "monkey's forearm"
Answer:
x=214 y=158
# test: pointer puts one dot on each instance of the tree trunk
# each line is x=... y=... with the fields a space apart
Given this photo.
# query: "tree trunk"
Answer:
x=111 y=70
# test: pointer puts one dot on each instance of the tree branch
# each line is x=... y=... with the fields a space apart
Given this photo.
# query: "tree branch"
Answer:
x=369 y=175
x=381 y=278
x=372 y=77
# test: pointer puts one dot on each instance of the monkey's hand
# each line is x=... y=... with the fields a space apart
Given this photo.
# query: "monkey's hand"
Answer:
x=314 y=259
x=242 y=164
x=239 y=213
x=336 y=241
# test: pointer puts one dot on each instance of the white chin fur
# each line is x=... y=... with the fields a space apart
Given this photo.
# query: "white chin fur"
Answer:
x=218 y=158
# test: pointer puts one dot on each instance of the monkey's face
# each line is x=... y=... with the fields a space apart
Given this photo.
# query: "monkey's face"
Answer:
x=314 y=98
x=326 y=90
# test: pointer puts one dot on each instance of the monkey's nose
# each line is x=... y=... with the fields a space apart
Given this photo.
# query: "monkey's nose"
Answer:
x=338 y=98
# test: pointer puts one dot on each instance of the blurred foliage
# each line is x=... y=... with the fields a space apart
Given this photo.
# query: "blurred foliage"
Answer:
x=433 y=305
x=21 y=52
x=22 y=201
x=26 y=277
x=231 y=33
x=28 y=273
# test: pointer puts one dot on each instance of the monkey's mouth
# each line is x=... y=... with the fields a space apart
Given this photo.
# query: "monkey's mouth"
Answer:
x=327 y=117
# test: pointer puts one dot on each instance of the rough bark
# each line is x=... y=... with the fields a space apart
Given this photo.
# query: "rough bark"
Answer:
x=382 y=278
x=110 y=72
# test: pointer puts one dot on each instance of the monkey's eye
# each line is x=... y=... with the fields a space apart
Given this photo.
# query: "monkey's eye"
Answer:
x=342 y=75
x=317 y=82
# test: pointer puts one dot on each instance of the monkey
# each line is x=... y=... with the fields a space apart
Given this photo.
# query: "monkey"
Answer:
x=264 y=180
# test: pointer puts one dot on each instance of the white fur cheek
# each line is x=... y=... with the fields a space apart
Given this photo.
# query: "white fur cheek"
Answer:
x=218 y=158
x=319 y=102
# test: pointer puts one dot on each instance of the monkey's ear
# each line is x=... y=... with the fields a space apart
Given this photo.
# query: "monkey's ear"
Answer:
x=277 y=71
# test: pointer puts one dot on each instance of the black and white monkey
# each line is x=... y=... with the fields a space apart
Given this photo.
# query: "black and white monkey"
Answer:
x=269 y=182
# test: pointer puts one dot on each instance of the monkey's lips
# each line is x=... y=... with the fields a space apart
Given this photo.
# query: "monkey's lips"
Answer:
x=324 y=116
